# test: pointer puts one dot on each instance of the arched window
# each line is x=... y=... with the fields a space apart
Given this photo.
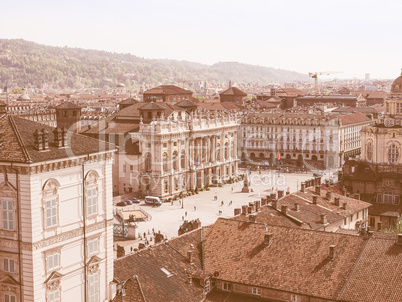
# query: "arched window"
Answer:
x=165 y=162
x=148 y=162
x=175 y=161
x=393 y=154
x=226 y=150
x=183 y=159
x=91 y=193
x=51 y=203
x=370 y=151
x=388 y=197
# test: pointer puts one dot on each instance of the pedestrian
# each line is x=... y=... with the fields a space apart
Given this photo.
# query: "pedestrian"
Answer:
x=131 y=249
x=145 y=235
x=222 y=203
x=195 y=209
x=232 y=189
x=153 y=231
x=185 y=214
x=149 y=232
x=182 y=218
x=171 y=203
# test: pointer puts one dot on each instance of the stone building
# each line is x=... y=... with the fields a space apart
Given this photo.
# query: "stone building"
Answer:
x=56 y=232
x=377 y=175
x=320 y=141
x=68 y=116
x=168 y=94
x=233 y=94
x=339 y=100
x=182 y=152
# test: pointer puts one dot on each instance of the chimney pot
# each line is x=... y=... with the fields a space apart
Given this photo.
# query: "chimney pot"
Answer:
x=315 y=197
x=268 y=237
x=190 y=256
x=337 y=201
x=237 y=211
x=274 y=204
x=297 y=207
x=323 y=219
x=345 y=205
x=252 y=218
x=332 y=252
x=318 y=190
x=303 y=187
x=244 y=210
x=399 y=241
x=344 y=191
x=280 y=194
x=284 y=210
x=329 y=195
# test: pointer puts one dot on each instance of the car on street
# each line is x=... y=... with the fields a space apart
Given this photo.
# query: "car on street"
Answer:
x=129 y=202
x=121 y=204
x=135 y=200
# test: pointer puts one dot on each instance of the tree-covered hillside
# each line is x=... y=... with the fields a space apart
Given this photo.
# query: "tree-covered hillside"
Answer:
x=28 y=64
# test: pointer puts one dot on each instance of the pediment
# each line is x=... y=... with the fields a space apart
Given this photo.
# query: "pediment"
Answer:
x=9 y=281
x=54 y=276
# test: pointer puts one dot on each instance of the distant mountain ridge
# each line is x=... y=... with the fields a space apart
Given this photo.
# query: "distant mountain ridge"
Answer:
x=28 y=64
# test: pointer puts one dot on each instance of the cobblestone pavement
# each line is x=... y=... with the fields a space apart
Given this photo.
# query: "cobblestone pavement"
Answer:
x=167 y=218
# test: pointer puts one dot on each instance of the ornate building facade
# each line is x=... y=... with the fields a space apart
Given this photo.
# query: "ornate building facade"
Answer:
x=56 y=233
x=377 y=174
x=321 y=141
x=185 y=151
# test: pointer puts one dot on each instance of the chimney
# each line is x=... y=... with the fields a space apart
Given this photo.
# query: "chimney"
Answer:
x=337 y=201
x=274 y=204
x=38 y=140
x=268 y=237
x=251 y=207
x=303 y=187
x=284 y=210
x=318 y=190
x=252 y=218
x=190 y=256
x=363 y=231
x=57 y=133
x=280 y=193
x=344 y=191
x=329 y=195
x=237 y=211
x=318 y=181
x=257 y=205
x=356 y=196
x=332 y=252
x=273 y=196
x=45 y=134
x=399 y=241
x=64 y=137
x=379 y=226
x=370 y=233
x=297 y=207
x=315 y=199
x=347 y=194
x=244 y=210
x=345 y=205
x=323 y=219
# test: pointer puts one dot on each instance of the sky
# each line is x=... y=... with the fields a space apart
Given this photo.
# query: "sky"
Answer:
x=352 y=37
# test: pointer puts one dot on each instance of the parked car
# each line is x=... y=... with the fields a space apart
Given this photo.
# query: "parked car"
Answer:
x=156 y=201
x=121 y=204
x=135 y=200
x=129 y=202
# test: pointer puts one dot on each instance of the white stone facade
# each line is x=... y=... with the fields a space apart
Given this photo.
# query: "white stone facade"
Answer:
x=66 y=249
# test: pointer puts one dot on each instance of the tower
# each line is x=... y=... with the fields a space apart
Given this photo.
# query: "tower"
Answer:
x=68 y=116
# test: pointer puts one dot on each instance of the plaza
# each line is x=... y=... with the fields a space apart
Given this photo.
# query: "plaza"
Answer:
x=169 y=216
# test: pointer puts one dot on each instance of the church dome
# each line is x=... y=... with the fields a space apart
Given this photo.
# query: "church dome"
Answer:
x=396 y=86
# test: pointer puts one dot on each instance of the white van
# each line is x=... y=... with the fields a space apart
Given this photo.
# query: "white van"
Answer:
x=153 y=200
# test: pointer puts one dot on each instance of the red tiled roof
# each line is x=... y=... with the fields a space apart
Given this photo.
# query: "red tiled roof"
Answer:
x=296 y=261
x=18 y=142
x=167 y=89
x=68 y=105
x=233 y=91
x=353 y=118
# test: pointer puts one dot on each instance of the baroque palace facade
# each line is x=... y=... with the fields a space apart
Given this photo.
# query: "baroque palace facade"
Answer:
x=56 y=236
x=377 y=174
x=185 y=151
x=312 y=140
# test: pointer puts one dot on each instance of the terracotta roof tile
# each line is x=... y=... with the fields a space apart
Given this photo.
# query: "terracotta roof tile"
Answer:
x=167 y=89
x=233 y=91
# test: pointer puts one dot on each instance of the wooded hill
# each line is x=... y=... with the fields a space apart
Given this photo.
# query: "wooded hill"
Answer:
x=28 y=64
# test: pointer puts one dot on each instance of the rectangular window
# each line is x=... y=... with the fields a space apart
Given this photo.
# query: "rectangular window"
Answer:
x=94 y=288
x=8 y=215
x=398 y=107
x=92 y=201
x=256 y=291
x=93 y=246
x=9 y=265
x=226 y=286
x=54 y=296
x=53 y=261
x=372 y=221
x=51 y=212
x=10 y=298
x=131 y=168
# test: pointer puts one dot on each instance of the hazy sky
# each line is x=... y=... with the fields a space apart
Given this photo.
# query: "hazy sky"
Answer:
x=352 y=36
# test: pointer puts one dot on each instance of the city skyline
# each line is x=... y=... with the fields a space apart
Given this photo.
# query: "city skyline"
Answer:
x=353 y=37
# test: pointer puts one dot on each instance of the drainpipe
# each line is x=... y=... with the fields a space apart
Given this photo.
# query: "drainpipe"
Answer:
x=17 y=181
x=84 y=227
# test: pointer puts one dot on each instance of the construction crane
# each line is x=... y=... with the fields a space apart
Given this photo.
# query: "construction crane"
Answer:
x=315 y=75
